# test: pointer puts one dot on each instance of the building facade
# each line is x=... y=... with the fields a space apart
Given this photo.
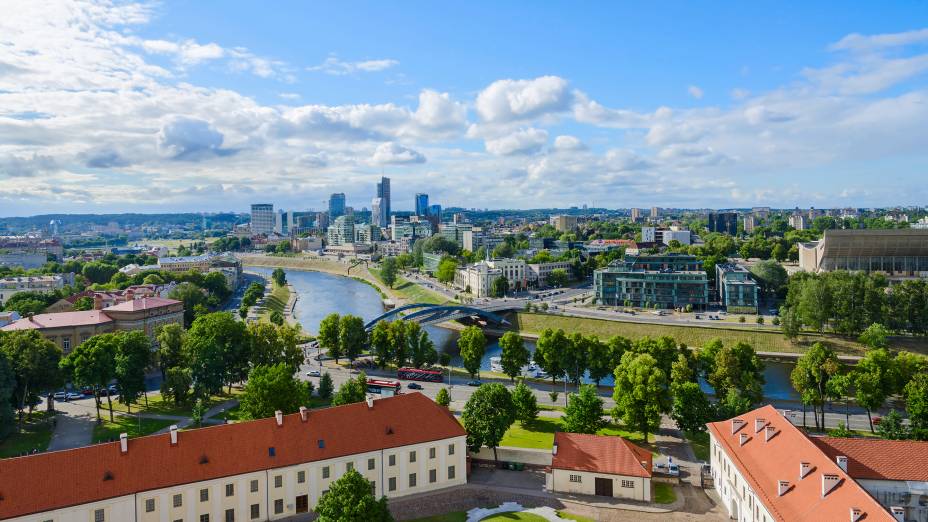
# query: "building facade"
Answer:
x=538 y=272
x=379 y=212
x=897 y=253
x=724 y=223
x=738 y=292
x=336 y=205
x=477 y=279
x=455 y=232
x=383 y=192
x=422 y=204
x=599 y=465
x=48 y=284
x=563 y=223
x=262 y=218
x=341 y=231
x=662 y=281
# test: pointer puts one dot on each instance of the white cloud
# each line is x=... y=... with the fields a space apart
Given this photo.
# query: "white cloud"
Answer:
x=568 y=143
x=438 y=112
x=289 y=96
x=695 y=91
x=506 y=101
x=523 y=141
x=393 y=153
x=859 y=42
x=189 y=139
x=332 y=65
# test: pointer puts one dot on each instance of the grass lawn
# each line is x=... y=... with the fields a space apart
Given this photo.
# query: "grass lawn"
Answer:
x=700 y=444
x=540 y=433
x=664 y=493
x=575 y=518
x=457 y=516
x=526 y=517
x=130 y=425
x=35 y=434
x=410 y=291
x=275 y=302
x=157 y=404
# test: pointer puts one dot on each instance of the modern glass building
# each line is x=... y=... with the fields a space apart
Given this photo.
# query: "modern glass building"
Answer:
x=663 y=280
x=737 y=290
x=723 y=222
x=422 y=204
x=898 y=253
x=336 y=205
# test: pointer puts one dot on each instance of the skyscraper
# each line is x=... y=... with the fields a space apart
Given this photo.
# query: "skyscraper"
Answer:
x=435 y=211
x=723 y=222
x=383 y=192
x=336 y=205
x=379 y=213
x=262 y=218
x=422 y=204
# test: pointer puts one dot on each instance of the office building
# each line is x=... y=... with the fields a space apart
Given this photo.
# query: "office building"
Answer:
x=599 y=465
x=749 y=223
x=341 y=232
x=47 y=284
x=269 y=469
x=664 y=236
x=766 y=469
x=662 y=281
x=723 y=223
x=563 y=223
x=422 y=204
x=365 y=233
x=476 y=279
x=435 y=213
x=262 y=218
x=283 y=223
x=379 y=212
x=738 y=292
x=798 y=221
x=635 y=214
x=383 y=192
x=403 y=229
x=430 y=261
x=898 y=253
x=336 y=205
x=538 y=273
x=455 y=232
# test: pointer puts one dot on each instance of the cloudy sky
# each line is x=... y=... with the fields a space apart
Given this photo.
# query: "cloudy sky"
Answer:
x=212 y=105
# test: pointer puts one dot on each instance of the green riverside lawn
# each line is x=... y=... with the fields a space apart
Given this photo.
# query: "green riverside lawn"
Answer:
x=35 y=434
x=539 y=434
x=410 y=291
x=275 y=302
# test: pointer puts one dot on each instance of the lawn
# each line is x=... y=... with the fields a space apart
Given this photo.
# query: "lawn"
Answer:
x=35 y=435
x=457 y=516
x=575 y=518
x=700 y=444
x=410 y=291
x=129 y=424
x=540 y=433
x=664 y=493
x=525 y=517
x=275 y=302
x=157 y=404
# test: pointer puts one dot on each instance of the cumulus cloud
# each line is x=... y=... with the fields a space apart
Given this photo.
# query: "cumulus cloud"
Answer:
x=189 y=139
x=860 y=42
x=393 y=153
x=564 y=143
x=332 y=65
x=514 y=100
x=438 y=112
x=187 y=52
x=524 y=141
x=695 y=91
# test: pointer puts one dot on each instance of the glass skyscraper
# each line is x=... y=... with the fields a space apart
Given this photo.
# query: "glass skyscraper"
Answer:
x=422 y=204
x=336 y=205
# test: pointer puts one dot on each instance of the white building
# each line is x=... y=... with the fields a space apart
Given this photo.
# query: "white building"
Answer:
x=283 y=222
x=599 y=465
x=798 y=221
x=379 y=212
x=477 y=279
x=262 y=218
x=514 y=270
x=538 y=272
x=10 y=286
x=341 y=232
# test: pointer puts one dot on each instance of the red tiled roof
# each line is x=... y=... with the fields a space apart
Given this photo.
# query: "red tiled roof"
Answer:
x=879 y=459
x=232 y=449
x=600 y=454
x=59 y=320
x=764 y=463
x=144 y=303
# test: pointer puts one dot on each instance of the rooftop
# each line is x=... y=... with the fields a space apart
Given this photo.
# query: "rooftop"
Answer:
x=600 y=454
x=874 y=242
x=145 y=303
x=879 y=459
x=60 y=320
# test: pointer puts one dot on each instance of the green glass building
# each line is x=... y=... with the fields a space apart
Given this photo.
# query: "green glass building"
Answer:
x=662 y=280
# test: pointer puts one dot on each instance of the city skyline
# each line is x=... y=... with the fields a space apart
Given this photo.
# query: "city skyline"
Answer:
x=135 y=107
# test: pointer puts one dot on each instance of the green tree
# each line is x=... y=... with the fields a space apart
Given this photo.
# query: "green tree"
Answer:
x=875 y=336
x=916 y=405
x=269 y=345
x=691 y=408
x=326 y=387
x=99 y=272
x=276 y=317
x=191 y=295
x=279 y=277
x=525 y=404
x=472 y=345
x=92 y=364
x=83 y=303
x=600 y=362
x=398 y=340
x=514 y=354
x=551 y=344
x=446 y=270
x=34 y=361
x=381 y=343
x=133 y=357
x=558 y=278
x=216 y=350
x=351 y=391
x=891 y=427
x=7 y=387
x=738 y=368
x=487 y=415
x=272 y=388
x=584 y=412
x=908 y=365
x=574 y=358
x=27 y=303
x=176 y=384
x=388 y=271
x=874 y=379
x=499 y=287
x=329 y=335
x=216 y=284
x=443 y=398
x=641 y=393
x=351 y=336
x=170 y=341
x=349 y=499
x=811 y=375
x=421 y=348
x=199 y=410
x=770 y=275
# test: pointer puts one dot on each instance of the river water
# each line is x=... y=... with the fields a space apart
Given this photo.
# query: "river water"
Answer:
x=321 y=294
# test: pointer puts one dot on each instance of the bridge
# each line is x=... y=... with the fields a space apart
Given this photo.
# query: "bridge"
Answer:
x=426 y=314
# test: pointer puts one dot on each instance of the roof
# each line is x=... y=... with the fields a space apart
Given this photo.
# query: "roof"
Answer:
x=879 y=459
x=145 y=303
x=600 y=454
x=875 y=242
x=60 y=320
x=763 y=463
x=232 y=449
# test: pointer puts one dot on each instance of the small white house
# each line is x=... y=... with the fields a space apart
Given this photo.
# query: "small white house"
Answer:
x=599 y=465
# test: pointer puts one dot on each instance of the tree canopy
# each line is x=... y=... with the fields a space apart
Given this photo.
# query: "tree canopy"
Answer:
x=487 y=415
x=349 y=499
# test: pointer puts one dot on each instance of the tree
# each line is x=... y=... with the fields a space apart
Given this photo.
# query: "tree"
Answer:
x=7 y=387
x=83 y=303
x=170 y=340
x=26 y=303
x=279 y=277
x=326 y=387
x=217 y=352
x=34 y=361
x=328 y=338
x=487 y=415
x=916 y=404
x=381 y=344
x=191 y=295
x=351 y=336
x=270 y=345
x=908 y=365
x=133 y=357
x=216 y=284
x=276 y=317
x=551 y=344
x=499 y=287
x=92 y=364
x=875 y=336
x=176 y=384
x=99 y=272
x=891 y=427
x=272 y=388
x=351 y=391
x=811 y=375
x=600 y=362
x=388 y=271
x=398 y=340
x=770 y=275
x=584 y=412
x=472 y=345
x=641 y=393
x=574 y=358
x=446 y=270
x=525 y=404
x=738 y=368
x=514 y=354
x=874 y=379
x=349 y=499
x=443 y=398
x=558 y=278
x=691 y=408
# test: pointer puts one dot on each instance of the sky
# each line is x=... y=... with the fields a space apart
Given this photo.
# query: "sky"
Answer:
x=108 y=106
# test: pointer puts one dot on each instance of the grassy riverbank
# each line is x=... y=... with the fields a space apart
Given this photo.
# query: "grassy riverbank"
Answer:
x=410 y=291
x=275 y=302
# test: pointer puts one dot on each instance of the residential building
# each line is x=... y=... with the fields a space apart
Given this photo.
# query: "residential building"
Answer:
x=477 y=279
x=662 y=280
x=322 y=220
x=898 y=253
x=379 y=212
x=455 y=232
x=341 y=232
x=262 y=218
x=306 y=244
x=798 y=221
x=47 y=284
x=23 y=259
x=336 y=205
x=69 y=329
x=749 y=223
x=738 y=292
x=283 y=222
x=392 y=248
x=599 y=465
x=8 y=318
x=563 y=223
x=724 y=223
x=665 y=236
x=422 y=204
x=606 y=245
x=365 y=233
x=760 y=213
x=226 y=263
x=635 y=214
x=655 y=212
x=32 y=245
x=538 y=273
x=409 y=229
x=383 y=192
x=267 y=469
x=766 y=469
x=106 y=298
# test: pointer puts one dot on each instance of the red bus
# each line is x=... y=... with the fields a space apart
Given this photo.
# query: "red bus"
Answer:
x=383 y=387
x=417 y=374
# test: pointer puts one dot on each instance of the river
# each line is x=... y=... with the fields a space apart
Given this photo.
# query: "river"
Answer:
x=321 y=294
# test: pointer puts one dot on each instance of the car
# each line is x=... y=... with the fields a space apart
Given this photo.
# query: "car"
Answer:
x=88 y=391
x=474 y=383
x=60 y=396
x=877 y=420
x=71 y=396
x=414 y=386
x=313 y=373
x=667 y=468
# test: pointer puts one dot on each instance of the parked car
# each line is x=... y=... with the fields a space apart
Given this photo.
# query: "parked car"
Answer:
x=877 y=420
x=474 y=383
x=667 y=469
x=414 y=386
x=313 y=373
x=88 y=391
x=71 y=396
x=60 y=396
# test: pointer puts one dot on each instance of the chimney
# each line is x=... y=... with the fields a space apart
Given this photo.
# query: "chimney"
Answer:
x=174 y=435
x=842 y=462
x=743 y=438
x=279 y=415
x=782 y=487
x=304 y=413
x=769 y=432
x=123 y=443
x=370 y=402
x=759 y=424
x=554 y=449
x=829 y=481
x=804 y=469
x=898 y=513
x=736 y=425
x=856 y=513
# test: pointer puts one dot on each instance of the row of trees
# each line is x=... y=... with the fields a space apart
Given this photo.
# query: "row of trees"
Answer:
x=403 y=343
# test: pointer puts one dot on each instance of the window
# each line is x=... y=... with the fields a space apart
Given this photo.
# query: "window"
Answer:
x=374 y=489
x=278 y=506
x=431 y=453
x=325 y=472
x=433 y=475
x=371 y=463
x=300 y=477
x=450 y=472
x=628 y=483
x=254 y=486
x=230 y=515
x=178 y=500
x=99 y=516
x=349 y=466
x=204 y=495
x=450 y=449
x=391 y=485
x=412 y=456
x=149 y=505
x=66 y=346
x=278 y=481
x=230 y=490
x=204 y=518
x=255 y=511
x=412 y=480
x=576 y=478
x=392 y=460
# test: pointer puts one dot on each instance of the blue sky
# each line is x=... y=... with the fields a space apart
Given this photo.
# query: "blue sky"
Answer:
x=109 y=106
